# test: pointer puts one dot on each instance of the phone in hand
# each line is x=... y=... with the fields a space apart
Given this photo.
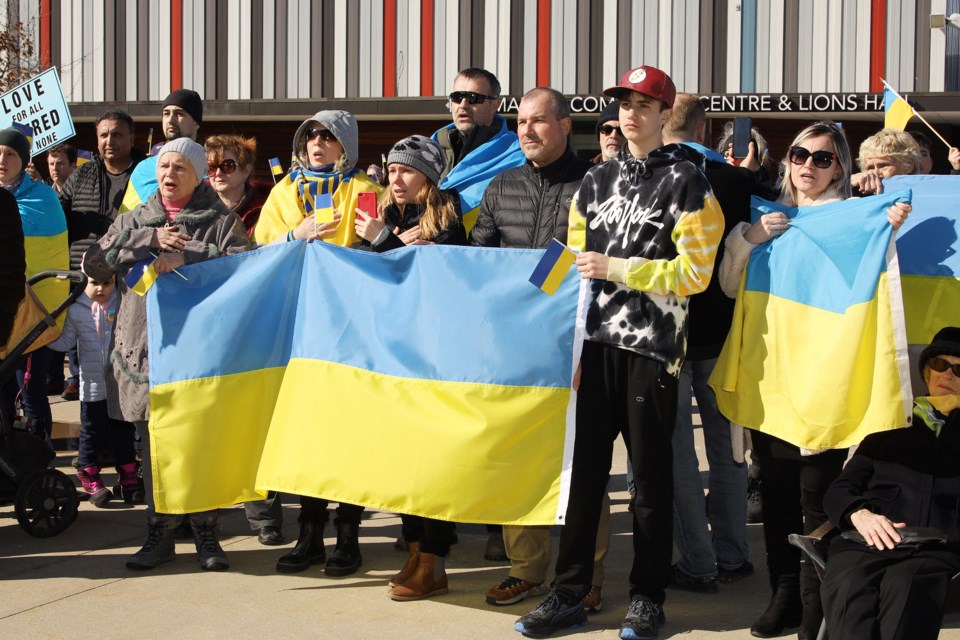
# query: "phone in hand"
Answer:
x=742 y=135
x=367 y=202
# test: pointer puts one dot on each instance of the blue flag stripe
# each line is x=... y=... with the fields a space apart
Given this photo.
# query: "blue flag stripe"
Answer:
x=545 y=266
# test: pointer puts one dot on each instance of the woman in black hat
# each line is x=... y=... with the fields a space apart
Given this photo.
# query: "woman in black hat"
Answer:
x=891 y=582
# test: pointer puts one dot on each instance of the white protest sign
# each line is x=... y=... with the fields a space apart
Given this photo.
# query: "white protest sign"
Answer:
x=39 y=103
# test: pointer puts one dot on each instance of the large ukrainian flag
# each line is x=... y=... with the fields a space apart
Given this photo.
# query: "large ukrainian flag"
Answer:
x=429 y=380
x=817 y=355
x=928 y=245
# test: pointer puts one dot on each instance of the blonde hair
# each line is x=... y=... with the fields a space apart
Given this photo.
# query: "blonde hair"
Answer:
x=439 y=212
x=899 y=147
x=788 y=192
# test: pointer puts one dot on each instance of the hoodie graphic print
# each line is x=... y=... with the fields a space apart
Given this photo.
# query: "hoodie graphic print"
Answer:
x=660 y=224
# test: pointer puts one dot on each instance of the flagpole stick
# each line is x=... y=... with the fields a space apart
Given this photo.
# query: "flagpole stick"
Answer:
x=930 y=126
x=174 y=270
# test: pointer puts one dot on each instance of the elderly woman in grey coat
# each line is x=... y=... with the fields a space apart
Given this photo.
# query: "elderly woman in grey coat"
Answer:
x=181 y=223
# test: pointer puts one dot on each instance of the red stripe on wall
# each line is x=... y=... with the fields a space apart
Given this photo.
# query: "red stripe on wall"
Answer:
x=878 y=43
x=44 y=34
x=543 y=43
x=176 y=44
x=426 y=47
x=389 y=48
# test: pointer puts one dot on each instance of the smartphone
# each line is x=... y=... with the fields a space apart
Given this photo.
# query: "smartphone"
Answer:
x=741 y=137
x=367 y=202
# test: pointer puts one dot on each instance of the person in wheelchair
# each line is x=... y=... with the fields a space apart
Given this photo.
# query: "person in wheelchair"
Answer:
x=897 y=504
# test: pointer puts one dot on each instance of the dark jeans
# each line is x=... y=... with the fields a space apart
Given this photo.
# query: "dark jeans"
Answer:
x=791 y=491
x=621 y=392
x=98 y=428
x=315 y=510
x=36 y=407
x=73 y=362
x=434 y=536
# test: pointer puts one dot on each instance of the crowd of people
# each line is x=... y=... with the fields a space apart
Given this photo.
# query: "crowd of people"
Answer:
x=661 y=223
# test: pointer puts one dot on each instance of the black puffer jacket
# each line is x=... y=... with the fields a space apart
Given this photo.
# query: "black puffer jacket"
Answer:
x=13 y=265
x=84 y=199
x=526 y=207
x=398 y=221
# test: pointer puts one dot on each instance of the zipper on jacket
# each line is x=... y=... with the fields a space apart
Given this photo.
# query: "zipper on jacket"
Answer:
x=536 y=220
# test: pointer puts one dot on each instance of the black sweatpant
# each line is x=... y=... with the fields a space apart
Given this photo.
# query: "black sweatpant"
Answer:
x=621 y=392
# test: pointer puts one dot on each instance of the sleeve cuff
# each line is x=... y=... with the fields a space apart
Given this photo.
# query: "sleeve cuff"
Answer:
x=617 y=270
x=381 y=237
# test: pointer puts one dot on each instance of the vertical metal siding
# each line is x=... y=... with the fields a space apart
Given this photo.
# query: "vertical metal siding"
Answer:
x=748 y=46
x=528 y=45
x=732 y=46
x=938 y=49
x=232 y=37
x=269 y=60
x=340 y=50
x=863 y=46
x=245 y=49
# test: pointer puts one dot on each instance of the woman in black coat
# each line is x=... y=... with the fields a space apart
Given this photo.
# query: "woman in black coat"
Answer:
x=887 y=585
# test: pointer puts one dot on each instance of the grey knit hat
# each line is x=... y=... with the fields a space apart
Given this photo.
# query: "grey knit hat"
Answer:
x=342 y=124
x=191 y=151
x=421 y=153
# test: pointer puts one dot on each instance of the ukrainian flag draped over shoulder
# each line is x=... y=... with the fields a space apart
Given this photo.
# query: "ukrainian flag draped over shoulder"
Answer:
x=284 y=209
x=45 y=240
x=471 y=176
x=142 y=184
x=816 y=355
x=427 y=380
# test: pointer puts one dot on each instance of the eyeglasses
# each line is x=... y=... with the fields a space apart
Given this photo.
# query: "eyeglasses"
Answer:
x=940 y=365
x=821 y=159
x=609 y=130
x=227 y=166
x=325 y=134
x=472 y=98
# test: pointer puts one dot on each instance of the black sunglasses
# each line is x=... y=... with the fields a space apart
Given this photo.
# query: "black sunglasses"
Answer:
x=940 y=365
x=821 y=159
x=472 y=98
x=609 y=129
x=227 y=166
x=325 y=134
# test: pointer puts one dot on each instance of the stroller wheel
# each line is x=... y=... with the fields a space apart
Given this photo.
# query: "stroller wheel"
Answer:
x=46 y=503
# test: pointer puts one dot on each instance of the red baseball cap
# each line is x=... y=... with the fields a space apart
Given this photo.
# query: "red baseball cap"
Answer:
x=649 y=81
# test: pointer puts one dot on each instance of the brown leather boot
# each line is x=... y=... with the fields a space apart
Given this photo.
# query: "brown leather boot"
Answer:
x=410 y=566
x=428 y=580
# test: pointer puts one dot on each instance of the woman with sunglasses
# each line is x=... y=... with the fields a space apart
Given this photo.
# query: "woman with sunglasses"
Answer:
x=326 y=148
x=892 y=580
x=816 y=171
x=230 y=161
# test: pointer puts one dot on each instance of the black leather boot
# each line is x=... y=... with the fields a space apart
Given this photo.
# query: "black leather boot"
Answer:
x=307 y=551
x=784 y=610
x=346 y=558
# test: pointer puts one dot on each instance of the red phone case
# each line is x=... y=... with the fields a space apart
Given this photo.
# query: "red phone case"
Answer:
x=367 y=202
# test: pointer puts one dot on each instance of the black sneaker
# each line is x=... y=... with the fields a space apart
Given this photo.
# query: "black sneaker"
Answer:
x=726 y=576
x=681 y=580
x=550 y=615
x=643 y=621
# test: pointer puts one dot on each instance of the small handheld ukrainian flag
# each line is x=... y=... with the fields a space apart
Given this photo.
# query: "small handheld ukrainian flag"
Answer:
x=83 y=157
x=142 y=276
x=553 y=267
x=896 y=111
x=26 y=130
x=150 y=140
x=275 y=168
x=324 y=203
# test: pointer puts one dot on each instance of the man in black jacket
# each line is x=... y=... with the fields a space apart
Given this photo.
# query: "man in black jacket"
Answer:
x=718 y=553
x=527 y=207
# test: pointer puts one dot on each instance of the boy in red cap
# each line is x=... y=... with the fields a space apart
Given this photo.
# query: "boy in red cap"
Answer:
x=647 y=225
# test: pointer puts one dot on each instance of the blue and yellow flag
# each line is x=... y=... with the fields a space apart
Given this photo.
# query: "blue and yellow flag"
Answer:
x=817 y=353
x=896 y=111
x=141 y=276
x=150 y=140
x=928 y=247
x=428 y=380
x=26 y=130
x=472 y=175
x=553 y=267
x=83 y=157
x=275 y=168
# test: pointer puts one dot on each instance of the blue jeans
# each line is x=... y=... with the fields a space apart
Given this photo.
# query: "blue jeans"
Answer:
x=98 y=429
x=724 y=543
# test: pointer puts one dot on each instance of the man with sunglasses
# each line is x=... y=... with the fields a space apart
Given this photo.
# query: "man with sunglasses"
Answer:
x=609 y=133
x=477 y=145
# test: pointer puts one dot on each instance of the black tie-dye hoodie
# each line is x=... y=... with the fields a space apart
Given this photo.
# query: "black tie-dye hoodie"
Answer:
x=659 y=222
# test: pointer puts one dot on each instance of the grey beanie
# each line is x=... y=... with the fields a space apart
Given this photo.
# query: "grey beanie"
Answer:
x=14 y=139
x=191 y=151
x=421 y=153
x=342 y=124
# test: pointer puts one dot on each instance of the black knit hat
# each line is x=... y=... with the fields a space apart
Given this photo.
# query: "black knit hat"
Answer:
x=187 y=100
x=945 y=343
x=610 y=112
x=18 y=142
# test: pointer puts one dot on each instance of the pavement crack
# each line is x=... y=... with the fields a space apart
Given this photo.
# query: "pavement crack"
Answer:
x=66 y=597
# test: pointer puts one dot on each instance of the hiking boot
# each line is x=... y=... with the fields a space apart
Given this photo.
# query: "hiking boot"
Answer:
x=93 y=486
x=681 y=580
x=512 y=590
x=346 y=558
x=553 y=614
x=495 y=550
x=728 y=576
x=784 y=610
x=593 y=601
x=307 y=551
x=209 y=552
x=430 y=579
x=409 y=567
x=131 y=484
x=158 y=548
x=270 y=536
x=643 y=620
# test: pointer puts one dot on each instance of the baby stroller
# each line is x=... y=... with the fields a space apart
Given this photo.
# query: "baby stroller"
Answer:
x=45 y=500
